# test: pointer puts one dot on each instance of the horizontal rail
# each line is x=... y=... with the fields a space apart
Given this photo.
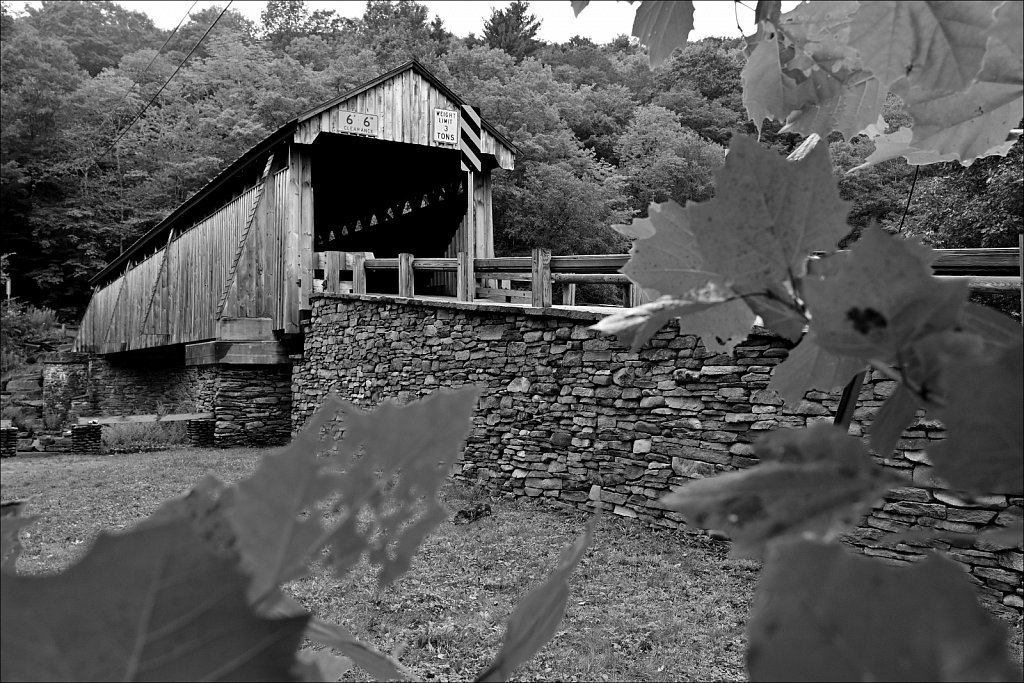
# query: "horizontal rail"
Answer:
x=498 y=275
x=989 y=283
x=381 y=264
x=591 y=278
x=997 y=261
x=426 y=264
x=982 y=269
x=977 y=262
x=584 y=263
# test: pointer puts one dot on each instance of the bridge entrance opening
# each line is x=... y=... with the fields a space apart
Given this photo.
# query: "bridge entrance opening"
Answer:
x=383 y=197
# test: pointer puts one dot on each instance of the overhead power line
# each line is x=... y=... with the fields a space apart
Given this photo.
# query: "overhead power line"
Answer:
x=135 y=81
x=162 y=87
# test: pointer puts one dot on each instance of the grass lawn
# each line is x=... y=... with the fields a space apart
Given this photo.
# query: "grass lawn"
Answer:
x=644 y=605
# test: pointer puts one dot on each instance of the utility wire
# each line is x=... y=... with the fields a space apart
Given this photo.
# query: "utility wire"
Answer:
x=913 y=184
x=162 y=87
x=135 y=82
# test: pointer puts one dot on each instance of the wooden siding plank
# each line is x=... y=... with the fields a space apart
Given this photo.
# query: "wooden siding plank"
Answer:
x=306 y=231
x=291 y=246
x=281 y=236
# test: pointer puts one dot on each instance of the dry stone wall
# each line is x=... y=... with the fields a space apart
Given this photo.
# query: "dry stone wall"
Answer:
x=132 y=383
x=251 y=403
x=566 y=414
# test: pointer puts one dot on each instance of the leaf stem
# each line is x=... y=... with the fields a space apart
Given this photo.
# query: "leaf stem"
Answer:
x=900 y=376
x=791 y=304
x=848 y=401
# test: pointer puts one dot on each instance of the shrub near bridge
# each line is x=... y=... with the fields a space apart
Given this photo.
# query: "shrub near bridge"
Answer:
x=194 y=591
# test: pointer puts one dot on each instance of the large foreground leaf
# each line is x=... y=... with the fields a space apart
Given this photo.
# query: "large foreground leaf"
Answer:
x=11 y=524
x=665 y=259
x=380 y=666
x=932 y=367
x=537 y=615
x=274 y=540
x=320 y=666
x=814 y=482
x=822 y=613
x=892 y=419
x=880 y=299
x=767 y=92
x=956 y=126
x=768 y=216
x=995 y=328
x=662 y=26
x=973 y=123
x=801 y=71
x=809 y=366
x=151 y=604
x=395 y=460
x=939 y=46
x=722 y=324
x=983 y=451
x=965 y=111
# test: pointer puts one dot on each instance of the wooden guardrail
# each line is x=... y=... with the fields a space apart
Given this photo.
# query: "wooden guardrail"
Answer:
x=542 y=270
x=983 y=269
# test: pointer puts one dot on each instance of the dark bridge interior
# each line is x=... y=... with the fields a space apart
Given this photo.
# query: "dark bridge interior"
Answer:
x=386 y=197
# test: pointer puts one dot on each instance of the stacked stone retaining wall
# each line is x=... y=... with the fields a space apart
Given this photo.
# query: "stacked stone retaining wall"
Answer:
x=566 y=413
x=251 y=403
x=133 y=383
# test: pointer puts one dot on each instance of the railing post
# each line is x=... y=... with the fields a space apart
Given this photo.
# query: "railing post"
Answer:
x=541 y=278
x=632 y=295
x=568 y=293
x=358 y=273
x=465 y=279
x=405 y=276
x=333 y=264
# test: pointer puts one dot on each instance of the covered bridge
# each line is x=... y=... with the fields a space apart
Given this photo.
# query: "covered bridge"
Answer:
x=375 y=170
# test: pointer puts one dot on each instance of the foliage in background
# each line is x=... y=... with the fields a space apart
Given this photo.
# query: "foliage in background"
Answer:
x=74 y=75
x=512 y=30
x=25 y=332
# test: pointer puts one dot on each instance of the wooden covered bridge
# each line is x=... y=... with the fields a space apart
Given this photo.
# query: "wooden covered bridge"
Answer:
x=387 y=187
x=378 y=170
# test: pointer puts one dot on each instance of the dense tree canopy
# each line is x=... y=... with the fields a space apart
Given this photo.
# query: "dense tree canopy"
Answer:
x=601 y=134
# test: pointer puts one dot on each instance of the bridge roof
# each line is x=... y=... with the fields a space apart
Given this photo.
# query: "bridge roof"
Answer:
x=157 y=235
